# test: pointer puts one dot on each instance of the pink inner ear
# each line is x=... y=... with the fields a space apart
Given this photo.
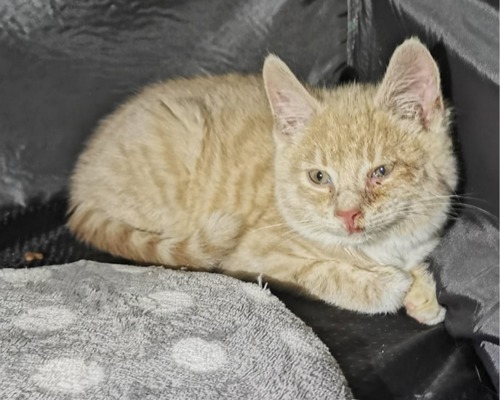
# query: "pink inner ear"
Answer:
x=429 y=95
x=411 y=85
x=425 y=88
x=292 y=111
x=422 y=91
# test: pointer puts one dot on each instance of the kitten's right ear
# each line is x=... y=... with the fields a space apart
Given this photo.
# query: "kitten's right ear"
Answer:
x=291 y=104
x=411 y=86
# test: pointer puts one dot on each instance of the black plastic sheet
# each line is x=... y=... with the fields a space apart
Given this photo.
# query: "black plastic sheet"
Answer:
x=64 y=64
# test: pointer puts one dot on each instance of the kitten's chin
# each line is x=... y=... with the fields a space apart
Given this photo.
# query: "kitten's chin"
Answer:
x=358 y=238
x=350 y=239
x=330 y=238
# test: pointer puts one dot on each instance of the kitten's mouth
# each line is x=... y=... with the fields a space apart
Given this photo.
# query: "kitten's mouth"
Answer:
x=354 y=229
x=350 y=232
x=351 y=237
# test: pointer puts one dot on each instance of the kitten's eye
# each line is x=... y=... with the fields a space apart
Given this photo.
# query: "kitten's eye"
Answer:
x=382 y=171
x=319 y=177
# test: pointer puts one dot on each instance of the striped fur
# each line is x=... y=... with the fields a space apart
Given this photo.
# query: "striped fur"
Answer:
x=214 y=173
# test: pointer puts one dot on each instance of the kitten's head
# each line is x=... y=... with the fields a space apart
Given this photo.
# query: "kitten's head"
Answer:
x=362 y=162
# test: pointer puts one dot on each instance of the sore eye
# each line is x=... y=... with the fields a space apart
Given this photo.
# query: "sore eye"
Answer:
x=319 y=177
x=382 y=171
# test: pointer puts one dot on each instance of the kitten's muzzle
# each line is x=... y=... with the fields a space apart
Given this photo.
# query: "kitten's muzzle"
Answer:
x=350 y=219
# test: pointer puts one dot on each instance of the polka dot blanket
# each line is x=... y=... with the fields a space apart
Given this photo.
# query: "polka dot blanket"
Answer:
x=99 y=331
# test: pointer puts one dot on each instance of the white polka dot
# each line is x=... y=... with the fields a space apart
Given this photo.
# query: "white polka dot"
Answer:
x=130 y=269
x=23 y=276
x=294 y=341
x=257 y=293
x=166 y=302
x=45 y=319
x=199 y=355
x=72 y=376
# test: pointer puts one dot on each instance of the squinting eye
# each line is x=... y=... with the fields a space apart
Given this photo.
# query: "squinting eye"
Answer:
x=382 y=171
x=319 y=177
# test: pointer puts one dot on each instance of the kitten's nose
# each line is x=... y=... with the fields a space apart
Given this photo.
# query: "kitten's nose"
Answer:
x=350 y=218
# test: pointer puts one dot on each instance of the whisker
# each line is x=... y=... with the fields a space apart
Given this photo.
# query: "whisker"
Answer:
x=271 y=226
x=407 y=209
x=476 y=208
x=288 y=235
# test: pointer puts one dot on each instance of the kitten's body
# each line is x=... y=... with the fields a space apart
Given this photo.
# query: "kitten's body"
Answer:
x=189 y=173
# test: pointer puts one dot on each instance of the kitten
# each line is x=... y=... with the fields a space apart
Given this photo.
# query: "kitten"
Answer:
x=339 y=193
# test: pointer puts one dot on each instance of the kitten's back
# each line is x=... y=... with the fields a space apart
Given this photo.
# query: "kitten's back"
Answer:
x=170 y=158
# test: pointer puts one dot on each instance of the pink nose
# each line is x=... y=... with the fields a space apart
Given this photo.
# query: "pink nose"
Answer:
x=350 y=219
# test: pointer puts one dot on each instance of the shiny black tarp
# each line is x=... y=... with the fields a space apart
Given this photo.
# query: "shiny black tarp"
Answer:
x=64 y=64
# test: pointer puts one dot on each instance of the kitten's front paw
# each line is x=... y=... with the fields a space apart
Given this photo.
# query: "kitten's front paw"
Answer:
x=421 y=303
x=390 y=289
x=374 y=291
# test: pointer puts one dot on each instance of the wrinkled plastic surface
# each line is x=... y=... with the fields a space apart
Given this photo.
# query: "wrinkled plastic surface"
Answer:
x=466 y=265
x=65 y=64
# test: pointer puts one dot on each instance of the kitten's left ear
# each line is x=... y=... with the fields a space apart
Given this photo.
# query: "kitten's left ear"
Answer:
x=411 y=86
x=291 y=104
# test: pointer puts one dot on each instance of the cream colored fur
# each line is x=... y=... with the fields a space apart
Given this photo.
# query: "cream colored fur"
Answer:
x=219 y=173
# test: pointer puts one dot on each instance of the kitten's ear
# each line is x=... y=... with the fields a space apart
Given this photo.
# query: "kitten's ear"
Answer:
x=411 y=86
x=291 y=104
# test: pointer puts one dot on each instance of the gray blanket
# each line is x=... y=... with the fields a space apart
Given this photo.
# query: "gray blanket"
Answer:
x=96 y=331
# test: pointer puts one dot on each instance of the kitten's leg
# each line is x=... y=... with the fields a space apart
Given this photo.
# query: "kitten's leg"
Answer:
x=365 y=288
x=421 y=301
x=368 y=289
x=347 y=281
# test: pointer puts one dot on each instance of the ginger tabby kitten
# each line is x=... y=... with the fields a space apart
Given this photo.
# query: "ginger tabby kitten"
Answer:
x=339 y=193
